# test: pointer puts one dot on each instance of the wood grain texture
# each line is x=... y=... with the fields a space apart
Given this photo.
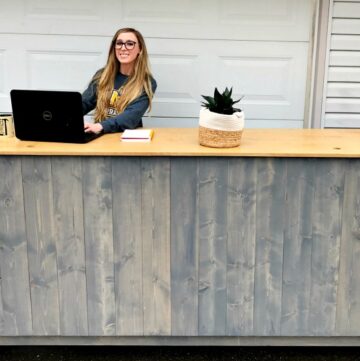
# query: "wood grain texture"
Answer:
x=270 y=213
x=126 y=181
x=15 y=306
x=70 y=245
x=298 y=217
x=155 y=214
x=213 y=179
x=179 y=246
x=184 y=246
x=41 y=237
x=314 y=143
x=241 y=247
x=98 y=215
x=327 y=218
x=348 y=297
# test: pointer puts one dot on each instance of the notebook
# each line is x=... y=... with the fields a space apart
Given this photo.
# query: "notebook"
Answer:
x=50 y=116
x=137 y=135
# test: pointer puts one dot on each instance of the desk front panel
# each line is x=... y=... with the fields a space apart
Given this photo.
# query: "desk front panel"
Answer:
x=179 y=246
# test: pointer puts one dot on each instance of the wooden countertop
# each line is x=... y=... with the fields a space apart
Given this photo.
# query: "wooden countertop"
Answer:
x=324 y=143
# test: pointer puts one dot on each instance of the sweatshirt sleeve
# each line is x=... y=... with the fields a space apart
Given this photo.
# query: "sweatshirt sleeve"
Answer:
x=89 y=98
x=131 y=117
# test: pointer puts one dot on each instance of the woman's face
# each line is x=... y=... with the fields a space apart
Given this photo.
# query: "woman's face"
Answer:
x=127 y=48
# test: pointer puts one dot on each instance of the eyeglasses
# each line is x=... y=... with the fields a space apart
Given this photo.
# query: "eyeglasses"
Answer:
x=129 y=45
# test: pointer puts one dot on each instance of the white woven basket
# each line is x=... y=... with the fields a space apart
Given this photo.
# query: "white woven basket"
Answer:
x=220 y=130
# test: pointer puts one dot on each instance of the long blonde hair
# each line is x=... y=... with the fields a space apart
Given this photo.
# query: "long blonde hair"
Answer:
x=138 y=81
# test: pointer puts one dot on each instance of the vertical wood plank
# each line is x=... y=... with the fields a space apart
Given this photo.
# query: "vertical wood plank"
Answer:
x=348 y=297
x=270 y=213
x=213 y=179
x=156 y=245
x=15 y=316
x=69 y=226
x=241 y=246
x=126 y=180
x=329 y=192
x=184 y=246
x=98 y=221
x=297 y=247
x=40 y=228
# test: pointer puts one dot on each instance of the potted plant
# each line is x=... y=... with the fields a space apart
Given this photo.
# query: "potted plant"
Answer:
x=220 y=124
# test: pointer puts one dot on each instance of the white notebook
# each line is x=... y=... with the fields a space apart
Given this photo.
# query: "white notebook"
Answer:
x=137 y=135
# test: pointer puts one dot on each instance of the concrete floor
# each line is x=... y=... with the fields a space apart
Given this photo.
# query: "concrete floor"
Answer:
x=97 y=353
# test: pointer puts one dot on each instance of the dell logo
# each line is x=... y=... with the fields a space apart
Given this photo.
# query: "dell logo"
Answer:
x=47 y=115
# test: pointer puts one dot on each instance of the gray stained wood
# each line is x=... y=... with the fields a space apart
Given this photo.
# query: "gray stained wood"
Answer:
x=348 y=296
x=15 y=306
x=213 y=190
x=296 y=284
x=100 y=285
x=155 y=199
x=69 y=229
x=180 y=246
x=128 y=246
x=41 y=245
x=184 y=198
x=270 y=213
x=325 y=252
x=241 y=214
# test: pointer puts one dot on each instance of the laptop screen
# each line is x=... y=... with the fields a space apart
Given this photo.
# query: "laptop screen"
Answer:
x=52 y=116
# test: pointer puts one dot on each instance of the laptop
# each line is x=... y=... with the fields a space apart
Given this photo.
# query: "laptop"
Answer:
x=49 y=116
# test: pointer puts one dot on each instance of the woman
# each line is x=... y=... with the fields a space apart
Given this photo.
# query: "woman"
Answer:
x=123 y=90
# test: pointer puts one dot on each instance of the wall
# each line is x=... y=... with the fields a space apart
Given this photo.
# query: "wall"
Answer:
x=342 y=91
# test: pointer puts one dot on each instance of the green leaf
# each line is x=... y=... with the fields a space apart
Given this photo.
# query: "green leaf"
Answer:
x=207 y=98
x=221 y=103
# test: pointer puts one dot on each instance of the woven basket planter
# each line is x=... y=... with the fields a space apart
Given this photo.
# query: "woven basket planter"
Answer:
x=220 y=130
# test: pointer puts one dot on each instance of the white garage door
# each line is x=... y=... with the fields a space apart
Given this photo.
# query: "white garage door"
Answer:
x=259 y=47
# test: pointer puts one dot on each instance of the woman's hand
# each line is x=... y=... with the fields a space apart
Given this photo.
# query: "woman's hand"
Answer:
x=93 y=128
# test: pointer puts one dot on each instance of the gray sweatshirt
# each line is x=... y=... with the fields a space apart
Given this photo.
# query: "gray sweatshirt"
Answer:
x=130 y=118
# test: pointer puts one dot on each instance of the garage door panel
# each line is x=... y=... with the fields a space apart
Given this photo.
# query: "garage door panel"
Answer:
x=153 y=122
x=166 y=12
x=42 y=62
x=184 y=70
x=45 y=67
x=4 y=106
x=237 y=19
x=259 y=47
x=74 y=10
x=12 y=69
x=2 y=71
x=63 y=64
x=182 y=79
